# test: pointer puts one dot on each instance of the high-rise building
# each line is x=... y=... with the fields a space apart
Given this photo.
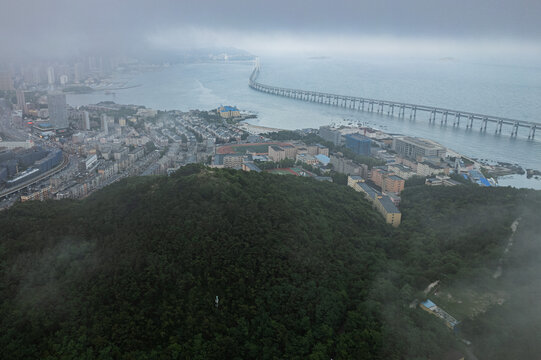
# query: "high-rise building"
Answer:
x=86 y=120
x=78 y=72
x=21 y=101
x=50 y=75
x=104 y=125
x=6 y=81
x=58 y=112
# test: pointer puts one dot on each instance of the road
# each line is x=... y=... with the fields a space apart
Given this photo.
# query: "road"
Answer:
x=15 y=189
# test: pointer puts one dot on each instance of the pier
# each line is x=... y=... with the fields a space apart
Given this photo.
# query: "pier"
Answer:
x=398 y=109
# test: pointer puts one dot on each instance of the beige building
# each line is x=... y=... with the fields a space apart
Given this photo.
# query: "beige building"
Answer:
x=388 y=209
x=427 y=169
x=233 y=161
x=228 y=111
x=383 y=203
x=317 y=150
x=279 y=153
x=417 y=148
x=405 y=172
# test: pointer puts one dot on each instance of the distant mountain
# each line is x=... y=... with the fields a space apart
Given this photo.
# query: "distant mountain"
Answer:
x=197 y=55
x=224 y=264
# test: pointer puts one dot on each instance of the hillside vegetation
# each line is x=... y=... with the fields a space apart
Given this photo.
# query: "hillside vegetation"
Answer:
x=302 y=269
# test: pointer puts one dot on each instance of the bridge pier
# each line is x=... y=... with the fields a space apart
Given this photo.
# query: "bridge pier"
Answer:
x=514 y=131
x=531 y=133
x=499 y=127
x=484 y=125
x=413 y=113
x=457 y=120
x=470 y=122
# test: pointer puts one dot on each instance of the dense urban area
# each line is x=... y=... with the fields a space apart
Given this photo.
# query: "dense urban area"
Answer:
x=51 y=150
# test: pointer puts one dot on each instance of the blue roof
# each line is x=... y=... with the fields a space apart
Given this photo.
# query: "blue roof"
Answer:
x=323 y=159
x=428 y=304
x=230 y=108
x=358 y=137
x=483 y=181
x=252 y=166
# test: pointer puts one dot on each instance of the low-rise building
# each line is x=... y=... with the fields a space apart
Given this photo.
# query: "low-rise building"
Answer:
x=345 y=166
x=393 y=183
x=307 y=159
x=405 y=172
x=425 y=169
x=278 y=153
x=250 y=166
x=388 y=209
x=233 y=161
x=383 y=203
x=228 y=111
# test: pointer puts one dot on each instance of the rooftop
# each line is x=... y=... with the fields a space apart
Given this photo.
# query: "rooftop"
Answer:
x=388 y=205
x=368 y=190
x=428 y=304
x=358 y=137
x=422 y=142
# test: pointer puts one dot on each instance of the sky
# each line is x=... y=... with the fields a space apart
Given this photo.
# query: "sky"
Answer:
x=433 y=27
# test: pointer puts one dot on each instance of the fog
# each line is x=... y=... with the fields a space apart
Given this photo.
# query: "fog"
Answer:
x=61 y=28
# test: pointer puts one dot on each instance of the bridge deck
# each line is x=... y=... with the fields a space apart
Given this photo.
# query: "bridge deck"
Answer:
x=359 y=102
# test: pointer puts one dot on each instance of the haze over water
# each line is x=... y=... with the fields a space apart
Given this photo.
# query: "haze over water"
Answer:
x=509 y=91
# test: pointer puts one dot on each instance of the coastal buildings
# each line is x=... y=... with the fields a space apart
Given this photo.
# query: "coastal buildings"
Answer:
x=358 y=143
x=330 y=134
x=228 y=111
x=417 y=148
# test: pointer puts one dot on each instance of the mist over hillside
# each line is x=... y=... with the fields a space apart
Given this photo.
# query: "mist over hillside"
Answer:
x=216 y=264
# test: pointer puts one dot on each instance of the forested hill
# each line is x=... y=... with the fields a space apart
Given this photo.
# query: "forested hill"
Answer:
x=302 y=269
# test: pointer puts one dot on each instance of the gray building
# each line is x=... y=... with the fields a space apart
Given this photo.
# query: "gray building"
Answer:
x=86 y=120
x=104 y=124
x=58 y=113
x=331 y=135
